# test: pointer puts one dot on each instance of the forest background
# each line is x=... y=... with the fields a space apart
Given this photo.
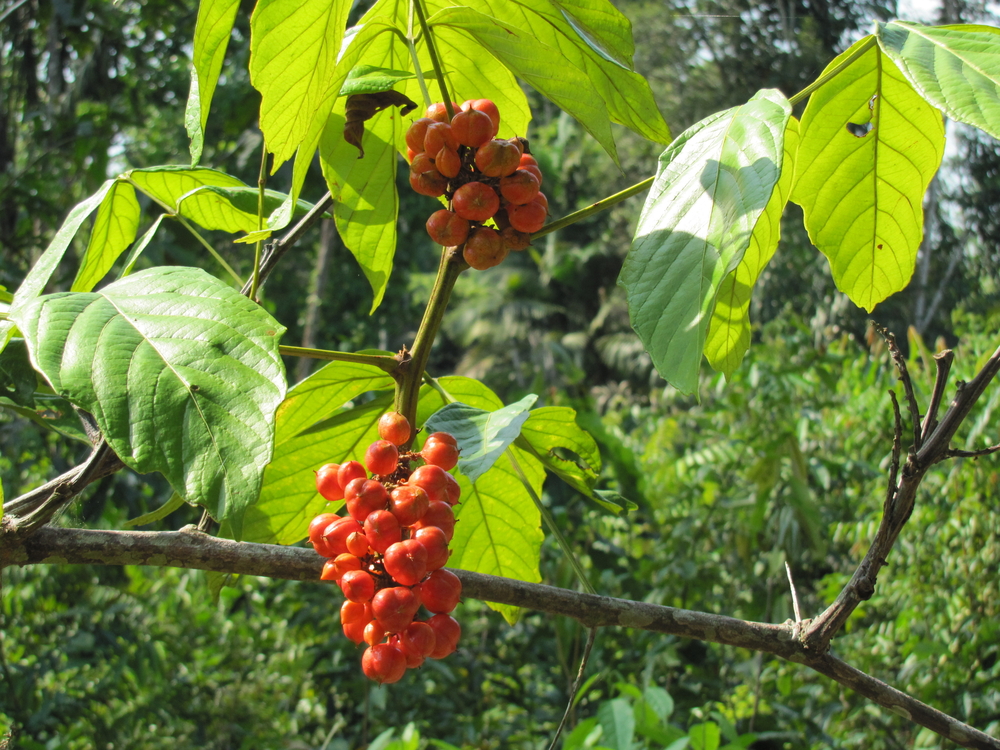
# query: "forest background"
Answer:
x=147 y=658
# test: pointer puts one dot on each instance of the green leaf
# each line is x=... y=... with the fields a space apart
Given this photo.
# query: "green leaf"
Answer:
x=618 y=722
x=139 y=246
x=181 y=372
x=861 y=192
x=293 y=55
x=115 y=227
x=365 y=192
x=175 y=502
x=167 y=184
x=230 y=209
x=705 y=736
x=660 y=701
x=211 y=36
x=729 y=331
x=712 y=185
x=955 y=68
x=371 y=79
x=52 y=413
x=288 y=498
x=40 y=273
x=17 y=376
x=482 y=436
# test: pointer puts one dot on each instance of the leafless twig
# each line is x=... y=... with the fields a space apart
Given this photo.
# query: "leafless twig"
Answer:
x=591 y=636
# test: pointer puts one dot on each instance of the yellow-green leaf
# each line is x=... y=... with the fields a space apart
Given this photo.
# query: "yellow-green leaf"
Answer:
x=869 y=146
x=115 y=227
x=729 y=332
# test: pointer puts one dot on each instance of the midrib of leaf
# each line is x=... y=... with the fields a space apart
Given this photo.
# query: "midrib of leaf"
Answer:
x=877 y=132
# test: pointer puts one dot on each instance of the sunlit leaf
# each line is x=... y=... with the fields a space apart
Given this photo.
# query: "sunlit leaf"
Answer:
x=861 y=189
x=141 y=245
x=181 y=372
x=712 y=185
x=729 y=332
x=167 y=184
x=211 y=37
x=371 y=79
x=115 y=227
x=955 y=68
x=230 y=209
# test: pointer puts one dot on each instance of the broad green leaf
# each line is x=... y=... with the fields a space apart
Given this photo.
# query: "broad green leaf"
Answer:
x=660 y=701
x=705 y=736
x=861 y=192
x=17 y=376
x=955 y=68
x=365 y=192
x=712 y=185
x=482 y=436
x=618 y=722
x=181 y=372
x=139 y=246
x=371 y=79
x=175 y=502
x=211 y=36
x=52 y=413
x=115 y=227
x=40 y=273
x=293 y=54
x=729 y=332
x=230 y=209
x=167 y=184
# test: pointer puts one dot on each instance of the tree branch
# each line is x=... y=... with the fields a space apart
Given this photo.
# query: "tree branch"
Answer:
x=192 y=549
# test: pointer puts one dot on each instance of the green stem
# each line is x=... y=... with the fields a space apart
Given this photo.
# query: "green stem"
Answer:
x=408 y=386
x=214 y=253
x=382 y=361
x=593 y=208
x=793 y=100
x=551 y=523
x=261 y=181
x=411 y=45
x=435 y=60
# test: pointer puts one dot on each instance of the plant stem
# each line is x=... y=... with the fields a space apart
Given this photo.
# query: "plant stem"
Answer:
x=593 y=208
x=416 y=61
x=205 y=243
x=382 y=361
x=435 y=60
x=793 y=100
x=408 y=386
x=261 y=181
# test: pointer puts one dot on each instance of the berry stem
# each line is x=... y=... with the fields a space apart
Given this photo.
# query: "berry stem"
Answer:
x=408 y=386
x=418 y=6
x=383 y=361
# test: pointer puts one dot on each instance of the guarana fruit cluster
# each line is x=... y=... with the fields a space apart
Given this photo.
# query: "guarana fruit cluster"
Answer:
x=483 y=177
x=388 y=553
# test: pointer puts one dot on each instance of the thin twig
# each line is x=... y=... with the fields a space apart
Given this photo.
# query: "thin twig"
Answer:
x=904 y=376
x=897 y=444
x=972 y=454
x=942 y=361
x=591 y=636
x=795 y=594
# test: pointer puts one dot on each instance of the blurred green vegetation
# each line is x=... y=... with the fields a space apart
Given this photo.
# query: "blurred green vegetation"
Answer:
x=787 y=462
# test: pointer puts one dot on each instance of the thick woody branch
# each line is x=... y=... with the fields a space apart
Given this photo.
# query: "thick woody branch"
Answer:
x=191 y=549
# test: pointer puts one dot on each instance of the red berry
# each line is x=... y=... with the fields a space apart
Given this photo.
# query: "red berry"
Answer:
x=498 y=158
x=334 y=569
x=447 y=228
x=439 y=113
x=394 y=427
x=318 y=525
x=472 y=128
x=364 y=498
x=418 y=638
x=484 y=249
x=441 y=591
x=527 y=160
x=441 y=515
x=350 y=470
x=431 y=183
x=335 y=536
x=327 y=483
x=355 y=631
x=355 y=612
x=395 y=607
x=443 y=437
x=408 y=503
x=528 y=218
x=447 y=631
x=357 y=544
x=534 y=170
x=448 y=162
x=383 y=663
x=515 y=240
x=440 y=453
x=422 y=163
x=519 y=187
x=411 y=154
x=436 y=543
x=406 y=562
x=381 y=457
x=454 y=491
x=416 y=132
x=476 y=201
x=382 y=530
x=439 y=136
x=488 y=108
x=358 y=586
x=432 y=479
x=374 y=633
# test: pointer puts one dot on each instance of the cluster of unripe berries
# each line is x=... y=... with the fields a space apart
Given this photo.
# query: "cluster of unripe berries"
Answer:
x=388 y=553
x=483 y=177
